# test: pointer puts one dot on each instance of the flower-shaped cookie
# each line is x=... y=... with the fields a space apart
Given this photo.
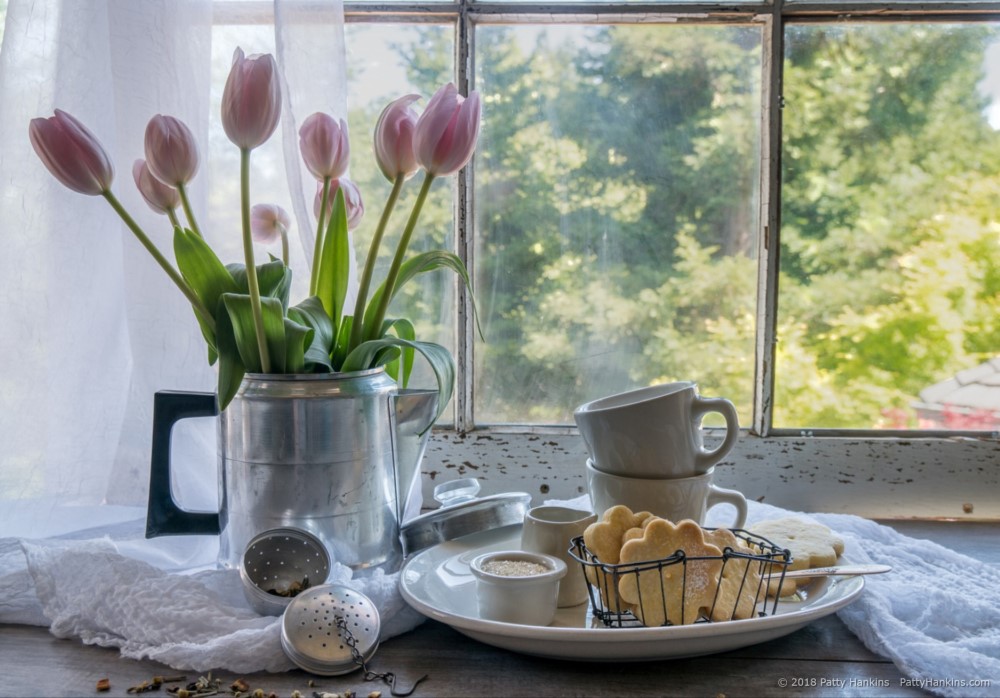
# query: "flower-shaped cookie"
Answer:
x=676 y=592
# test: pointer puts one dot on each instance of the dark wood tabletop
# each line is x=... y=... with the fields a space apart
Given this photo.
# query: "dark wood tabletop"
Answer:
x=822 y=659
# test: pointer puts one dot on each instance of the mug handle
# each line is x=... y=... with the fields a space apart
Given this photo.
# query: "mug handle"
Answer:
x=163 y=516
x=704 y=460
x=718 y=495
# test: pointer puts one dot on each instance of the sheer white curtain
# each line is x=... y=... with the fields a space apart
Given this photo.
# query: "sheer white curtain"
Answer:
x=90 y=327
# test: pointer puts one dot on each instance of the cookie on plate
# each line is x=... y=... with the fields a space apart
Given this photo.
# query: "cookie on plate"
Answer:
x=677 y=592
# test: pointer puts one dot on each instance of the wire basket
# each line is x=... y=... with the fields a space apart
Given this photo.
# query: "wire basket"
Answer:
x=672 y=591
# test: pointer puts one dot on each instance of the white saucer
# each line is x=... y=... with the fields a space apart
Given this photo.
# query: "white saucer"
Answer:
x=437 y=582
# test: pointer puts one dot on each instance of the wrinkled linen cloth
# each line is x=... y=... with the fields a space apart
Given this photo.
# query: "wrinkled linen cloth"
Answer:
x=936 y=615
x=199 y=621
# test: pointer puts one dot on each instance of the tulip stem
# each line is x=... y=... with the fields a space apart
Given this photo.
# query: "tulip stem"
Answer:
x=318 y=245
x=284 y=244
x=200 y=310
x=397 y=260
x=258 y=316
x=188 y=213
x=172 y=215
x=366 y=276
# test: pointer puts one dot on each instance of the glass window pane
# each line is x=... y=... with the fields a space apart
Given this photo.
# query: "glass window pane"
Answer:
x=616 y=196
x=386 y=61
x=889 y=301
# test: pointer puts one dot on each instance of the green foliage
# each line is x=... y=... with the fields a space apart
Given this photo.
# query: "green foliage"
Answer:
x=616 y=196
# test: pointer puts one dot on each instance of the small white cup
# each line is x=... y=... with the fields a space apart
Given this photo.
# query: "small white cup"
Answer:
x=549 y=530
x=655 y=431
x=675 y=499
x=526 y=599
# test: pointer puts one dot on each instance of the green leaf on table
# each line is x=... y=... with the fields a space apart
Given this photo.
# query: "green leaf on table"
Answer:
x=335 y=257
x=310 y=313
x=439 y=358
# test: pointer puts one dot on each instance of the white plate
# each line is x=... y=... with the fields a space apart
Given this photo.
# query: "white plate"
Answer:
x=437 y=583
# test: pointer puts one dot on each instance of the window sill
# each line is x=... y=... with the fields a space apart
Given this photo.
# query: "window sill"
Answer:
x=932 y=478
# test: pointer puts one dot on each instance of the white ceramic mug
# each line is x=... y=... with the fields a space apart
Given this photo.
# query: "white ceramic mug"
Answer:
x=549 y=530
x=654 y=432
x=675 y=499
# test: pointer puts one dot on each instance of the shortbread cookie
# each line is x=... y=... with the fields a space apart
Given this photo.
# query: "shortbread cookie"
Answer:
x=674 y=592
x=811 y=544
x=604 y=540
x=741 y=586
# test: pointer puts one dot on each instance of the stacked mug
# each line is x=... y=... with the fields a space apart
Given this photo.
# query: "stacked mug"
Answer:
x=647 y=452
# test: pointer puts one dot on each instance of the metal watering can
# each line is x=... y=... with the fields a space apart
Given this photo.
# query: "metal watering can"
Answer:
x=336 y=455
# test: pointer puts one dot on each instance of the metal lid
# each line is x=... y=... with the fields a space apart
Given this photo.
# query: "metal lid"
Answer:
x=330 y=630
x=457 y=520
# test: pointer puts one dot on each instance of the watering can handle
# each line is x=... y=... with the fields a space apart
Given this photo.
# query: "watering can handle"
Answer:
x=163 y=516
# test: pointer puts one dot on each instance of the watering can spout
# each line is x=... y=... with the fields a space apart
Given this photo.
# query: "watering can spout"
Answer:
x=415 y=413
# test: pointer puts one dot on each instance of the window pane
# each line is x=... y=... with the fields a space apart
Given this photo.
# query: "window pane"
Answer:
x=387 y=61
x=616 y=194
x=890 y=262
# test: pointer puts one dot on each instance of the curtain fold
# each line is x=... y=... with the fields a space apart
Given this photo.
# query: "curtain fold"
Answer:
x=90 y=327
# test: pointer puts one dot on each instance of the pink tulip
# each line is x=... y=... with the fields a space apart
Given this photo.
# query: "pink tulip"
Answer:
x=324 y=145
x=251 y=100
x=394 y=138
x=352 y=200
x=71 y=153
x=160 y=197
x=171 y=151
x=446 y=132
x=267 y=221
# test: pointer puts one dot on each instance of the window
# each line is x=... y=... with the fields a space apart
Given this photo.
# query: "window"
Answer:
x=794 y=206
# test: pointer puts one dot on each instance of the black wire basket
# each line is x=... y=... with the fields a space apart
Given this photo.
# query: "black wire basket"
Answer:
x=672 y=591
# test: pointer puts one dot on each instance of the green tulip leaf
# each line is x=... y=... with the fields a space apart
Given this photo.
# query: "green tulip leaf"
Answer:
x=400 y=368
x=310 y=313
x=297 y=338
x=207 y=276
x=339 y=352
x=231 y=370
x=421 y=264
x=335 y=259
x=240 y=312
x=274 y=280
x=439 y=359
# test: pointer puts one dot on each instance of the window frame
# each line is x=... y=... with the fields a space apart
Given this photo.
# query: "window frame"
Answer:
x=922 y=473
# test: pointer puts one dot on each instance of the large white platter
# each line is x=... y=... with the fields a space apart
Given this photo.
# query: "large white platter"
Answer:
x=437 y=583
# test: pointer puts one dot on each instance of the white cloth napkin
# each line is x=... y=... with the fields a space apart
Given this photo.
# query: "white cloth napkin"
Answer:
x=200 y=621
x=936 y=615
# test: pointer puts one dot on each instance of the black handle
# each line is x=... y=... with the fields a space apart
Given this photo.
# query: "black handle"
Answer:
x=163 y=516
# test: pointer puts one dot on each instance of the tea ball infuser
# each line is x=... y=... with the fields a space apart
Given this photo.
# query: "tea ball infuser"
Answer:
x=333 y=629
x=280 y=563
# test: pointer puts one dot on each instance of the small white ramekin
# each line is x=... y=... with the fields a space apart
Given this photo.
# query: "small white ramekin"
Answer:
x=526 y=599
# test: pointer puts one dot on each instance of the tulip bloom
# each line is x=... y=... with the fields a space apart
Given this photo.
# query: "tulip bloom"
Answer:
x=324 y=146
x=352 y=200
x=267 y=223
x=394 y=139
x=446 y=132
x=171 y=151
x=159 y=196
x=72 y=154
x=251 y=100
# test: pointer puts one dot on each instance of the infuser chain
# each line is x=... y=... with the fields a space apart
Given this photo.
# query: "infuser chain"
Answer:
x=388 y=677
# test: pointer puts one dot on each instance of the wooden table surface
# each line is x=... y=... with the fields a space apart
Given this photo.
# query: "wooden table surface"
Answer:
x=825 y=653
